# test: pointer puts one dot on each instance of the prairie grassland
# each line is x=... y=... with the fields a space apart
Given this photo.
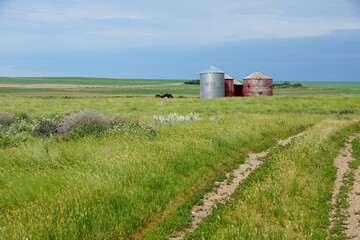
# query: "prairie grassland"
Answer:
x=113 y=86
x=146 y=107
x=111 y=186
x=287 y=198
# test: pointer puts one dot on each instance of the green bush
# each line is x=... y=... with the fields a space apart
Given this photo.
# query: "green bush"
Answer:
x=13 y=129
x=12 y=136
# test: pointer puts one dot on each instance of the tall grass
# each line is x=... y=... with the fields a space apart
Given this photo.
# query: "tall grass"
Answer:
x=288 y=196
x=146 y=107
x=108 y=187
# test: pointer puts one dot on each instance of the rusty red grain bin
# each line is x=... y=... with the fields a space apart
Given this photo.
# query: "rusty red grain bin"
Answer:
x=229 y=86
x=257 y=84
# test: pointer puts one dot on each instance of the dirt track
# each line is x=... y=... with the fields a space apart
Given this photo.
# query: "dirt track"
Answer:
x=353 y=211
x=223 y=190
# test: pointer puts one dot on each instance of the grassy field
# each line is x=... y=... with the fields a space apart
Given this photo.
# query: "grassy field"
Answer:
x=112 y=86
x=128 y=184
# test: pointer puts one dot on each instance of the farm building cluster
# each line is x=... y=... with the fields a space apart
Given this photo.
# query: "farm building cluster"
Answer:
x=215 y=83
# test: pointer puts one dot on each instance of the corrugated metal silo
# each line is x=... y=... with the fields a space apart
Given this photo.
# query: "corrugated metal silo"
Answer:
x=257 y=84
x=212 y=83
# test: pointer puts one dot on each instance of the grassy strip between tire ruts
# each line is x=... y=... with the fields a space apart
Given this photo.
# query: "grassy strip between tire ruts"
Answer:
x=287 y=197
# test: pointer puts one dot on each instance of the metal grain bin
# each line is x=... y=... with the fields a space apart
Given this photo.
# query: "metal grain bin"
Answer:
x=212 y=83
x=257 y=84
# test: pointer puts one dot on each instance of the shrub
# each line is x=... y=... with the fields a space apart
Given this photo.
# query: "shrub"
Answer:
x=6 y=119
x=83 y=123
x=174 y=117
x=132 y=127
x=342 y=111
x=23 y=116
x=46 y=127
x=287 y=84
x=12 y=135
x=13 y=129
x=196 y=82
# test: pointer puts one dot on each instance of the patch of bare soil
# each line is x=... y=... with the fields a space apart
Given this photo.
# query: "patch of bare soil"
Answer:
x=353 y=230
x=341 y=162
x=223 y=190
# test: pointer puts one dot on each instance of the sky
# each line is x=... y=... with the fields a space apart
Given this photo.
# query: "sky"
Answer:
x=308 y=40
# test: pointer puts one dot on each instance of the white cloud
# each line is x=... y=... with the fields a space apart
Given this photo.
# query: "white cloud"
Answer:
x=71 y=25
x=64 y=11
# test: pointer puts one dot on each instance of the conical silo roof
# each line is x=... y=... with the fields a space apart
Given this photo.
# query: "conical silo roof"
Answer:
x=258 y=75
x=212 y=69
x=228 y=77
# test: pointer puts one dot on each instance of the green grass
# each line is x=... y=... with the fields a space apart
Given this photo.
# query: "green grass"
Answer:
x=109 y=187
x=122 y=185
x=146 y=107
x=326 y=84
x=356 y=154
x=153 y=86
x=312 y=88
x=287 y=198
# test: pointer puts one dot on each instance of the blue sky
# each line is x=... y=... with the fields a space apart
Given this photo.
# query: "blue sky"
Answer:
x=288 y=40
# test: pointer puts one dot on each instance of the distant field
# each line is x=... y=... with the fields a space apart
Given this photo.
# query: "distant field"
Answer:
x=110 y=86
x=321 y=88
x=85 y=81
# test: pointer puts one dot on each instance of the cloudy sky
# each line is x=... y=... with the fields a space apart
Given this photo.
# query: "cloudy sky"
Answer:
x=288 y=40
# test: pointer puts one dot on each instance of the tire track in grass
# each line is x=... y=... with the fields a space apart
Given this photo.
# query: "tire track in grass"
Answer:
x=345 y=201
x=353 y=230
x=223 y=190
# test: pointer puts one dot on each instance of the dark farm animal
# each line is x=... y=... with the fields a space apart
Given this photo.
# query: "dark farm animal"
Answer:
x=166 y=95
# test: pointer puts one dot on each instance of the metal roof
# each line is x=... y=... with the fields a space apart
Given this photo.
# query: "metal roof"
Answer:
x=228 y=76
x=212 y=69
x=237 y=82
x=258 y=75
